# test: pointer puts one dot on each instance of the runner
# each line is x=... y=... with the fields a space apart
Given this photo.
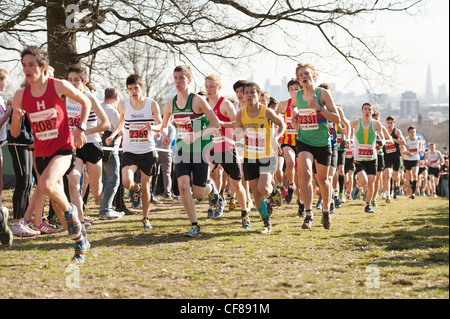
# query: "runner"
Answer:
x=368 y=133
x=43 y=102
x=224 y=147
x=349 y=168
x=139 y=119
x=423 y=172
x=254 y=122
x=90 y=155
x=435 y=160
x=411 y=158
x=392 y=159
x=315 y=107
x=288 y=143
x=195 y=121
x=380 y=158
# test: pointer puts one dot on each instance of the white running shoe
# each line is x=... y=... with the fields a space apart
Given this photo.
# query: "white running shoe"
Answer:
x=20 y=230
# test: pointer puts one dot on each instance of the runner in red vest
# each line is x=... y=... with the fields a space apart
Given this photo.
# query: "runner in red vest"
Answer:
x=43 y=100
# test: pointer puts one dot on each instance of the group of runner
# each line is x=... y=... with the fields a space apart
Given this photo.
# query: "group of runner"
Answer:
x=268 y=149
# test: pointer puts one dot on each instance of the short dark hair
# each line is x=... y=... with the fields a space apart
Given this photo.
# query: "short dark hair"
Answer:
x=239 y=84
x=78 y=69
x=111 y=93
x=272 y=102
x=40 y=54
x=293 y=82
x=184 y=68
x=390 y=118
x=412 y=127
x=134 y=79
x=367 y=103
x=253 y=84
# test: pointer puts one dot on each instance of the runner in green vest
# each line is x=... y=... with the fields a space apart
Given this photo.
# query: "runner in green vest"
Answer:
x=315 y=107
x=195 y=121
x=365 y=132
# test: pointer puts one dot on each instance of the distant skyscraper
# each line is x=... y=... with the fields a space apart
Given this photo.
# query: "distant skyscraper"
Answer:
x=442 y=93
x=429 y=89
x=409 y=105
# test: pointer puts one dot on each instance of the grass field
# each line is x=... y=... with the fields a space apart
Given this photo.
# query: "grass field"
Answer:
x=399 y=252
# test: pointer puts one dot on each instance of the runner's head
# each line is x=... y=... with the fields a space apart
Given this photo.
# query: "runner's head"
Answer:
x=376 y=115
x=182 y=76
x=432 y=147
x=251 y=93
x=306 y=74
x=390 y=122
x=273 y=103
x=238 y=88
x=135 y=86
x=111 y=93
x=213 y=85
x=412 y=132
x=367 y=110
x=326 y=86
x=293 y=87
x=264 y=98
x=77 y=76
x=3 y=79
x=34 y=63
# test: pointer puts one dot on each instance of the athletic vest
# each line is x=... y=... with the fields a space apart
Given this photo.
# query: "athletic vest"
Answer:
x=258 y=142
x=74 y=115
x=48 y=117
x=392 y=149
x=339 y=138
x=433 y=159
x=412 y=147
x=290 y=134
x=422 y=162
x=313 y=127
x=222 y=138
x=137 y=139
x=365 y=143
x=186 y=122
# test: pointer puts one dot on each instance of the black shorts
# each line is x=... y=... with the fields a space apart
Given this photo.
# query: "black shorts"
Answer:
x=340 y=158
x=187 y=163
x=410 y=164
x=380 y=162
x=42 y=162
x=229 y=161
x=433 y=171
x=392 y=161
x=254 y=167
x=349 y=165
x=89 y=153
x=321 y=154
x=370 y=167
x=145 y=162
x=422 y=169
x=290 y=146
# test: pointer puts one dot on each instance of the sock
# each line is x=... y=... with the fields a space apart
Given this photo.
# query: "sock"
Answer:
x=341 y=180
x=195 y=224
x=263 y=210
x=244 y=213
x=82 y=241
x=413 y=186
x=367 y=204
x=309 y=212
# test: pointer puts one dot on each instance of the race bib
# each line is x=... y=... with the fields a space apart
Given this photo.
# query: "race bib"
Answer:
x=138 y=133
x=413 y=150
x=390 y=148
x=74 y=120
x=44 y=124
x=217 y=137
x=365 y=152
x=307 y=119
x=255 y=142
x=184 y=127
x=289 y=129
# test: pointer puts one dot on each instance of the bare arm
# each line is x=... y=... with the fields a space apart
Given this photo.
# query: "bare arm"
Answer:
x=119 y=125
x=18 y=113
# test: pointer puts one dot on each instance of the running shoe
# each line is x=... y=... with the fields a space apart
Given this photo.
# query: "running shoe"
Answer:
x=44 y=228
x=250 y=205
x=146 y=223
x=374 y=203
x=136 y=197
x=337 y=202
x=319 y=206
x=301 y=209
x=412 y=196
x=213 y=196
x=276 y=195
x=267 y=226
x=245 y=222
x=219 y=208
x=21 y=230
x=194 y=232
x=355 y=193
x=6 y=235
x=283 y=191
x=332 y=207
x=111 y=215
x=388 y=199
x=80 y=251
x=342 y=197
x=349 y=197
x=326 y=220
x=232 y=205
x=307 y=223
x=289 y=195
x=368 y=209
x=73 y=223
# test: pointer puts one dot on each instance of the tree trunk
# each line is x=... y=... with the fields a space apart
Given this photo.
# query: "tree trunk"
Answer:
x=61 y=37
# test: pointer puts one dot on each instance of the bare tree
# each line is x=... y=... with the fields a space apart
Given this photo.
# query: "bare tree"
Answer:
x=210 y=30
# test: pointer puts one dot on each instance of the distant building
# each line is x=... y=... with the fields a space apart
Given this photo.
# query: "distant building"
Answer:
x=442 y=93
x=409 y=105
